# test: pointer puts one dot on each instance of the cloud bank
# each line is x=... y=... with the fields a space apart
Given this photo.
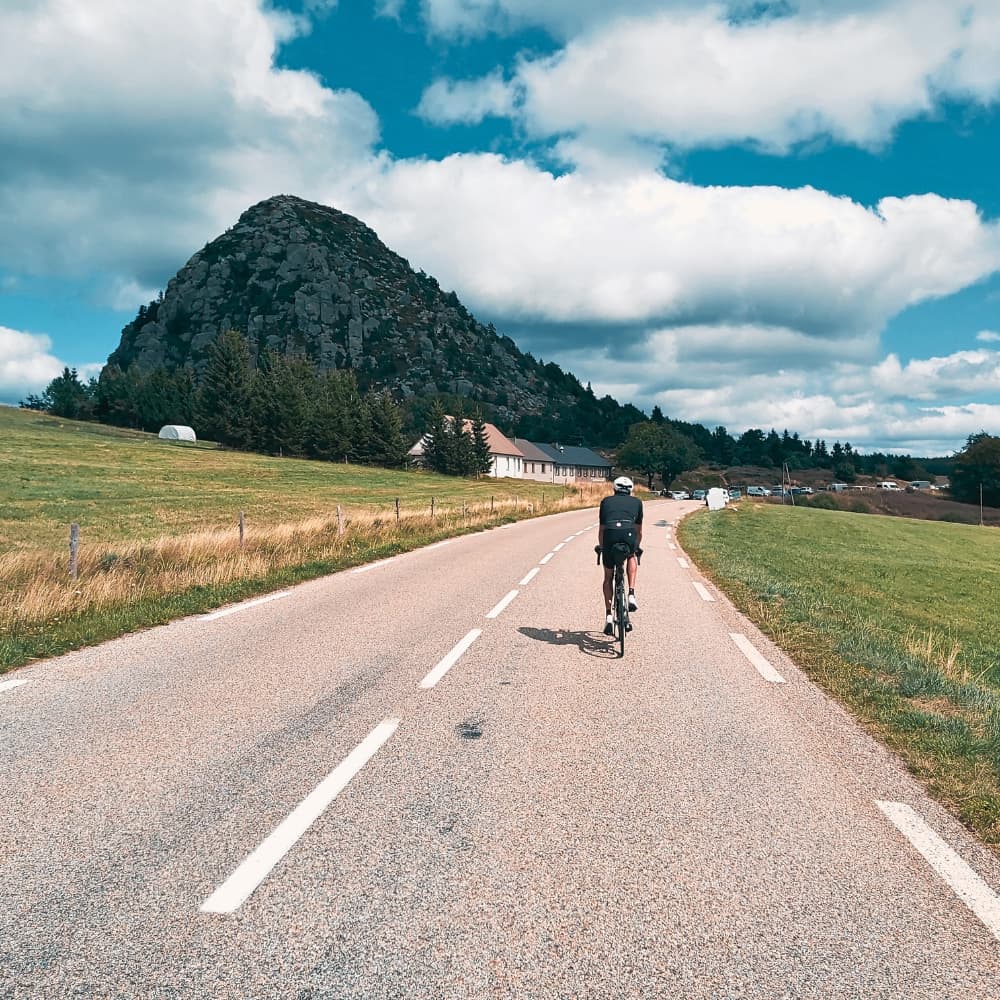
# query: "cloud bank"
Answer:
x=136 y=134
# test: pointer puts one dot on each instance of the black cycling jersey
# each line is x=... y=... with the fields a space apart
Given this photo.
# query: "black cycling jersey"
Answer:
x=619 y=516
x=620 y=507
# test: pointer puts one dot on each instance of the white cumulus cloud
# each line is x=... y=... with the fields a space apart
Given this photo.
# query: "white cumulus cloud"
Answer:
x=139 y=131
x=689 y=75
x=466 y=101
x=27 y=364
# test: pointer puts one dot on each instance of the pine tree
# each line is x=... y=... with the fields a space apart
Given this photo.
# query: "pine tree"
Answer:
x=331 y=424
x=281 y=402
x=463 y=452
x=66 y=396
x=224 y=397
x=437 y=441
x=387 y=444
x=481 y=446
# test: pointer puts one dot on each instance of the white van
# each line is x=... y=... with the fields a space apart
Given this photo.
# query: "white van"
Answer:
x=887 y=485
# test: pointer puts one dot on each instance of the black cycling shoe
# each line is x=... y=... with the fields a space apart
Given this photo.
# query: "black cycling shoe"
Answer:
x=628 y=626
x=609 y=629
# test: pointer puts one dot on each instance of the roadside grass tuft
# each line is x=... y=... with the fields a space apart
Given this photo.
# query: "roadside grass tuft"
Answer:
x=895 y=618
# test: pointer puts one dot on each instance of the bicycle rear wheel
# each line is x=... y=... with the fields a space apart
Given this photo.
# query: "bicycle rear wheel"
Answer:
x=621 y=612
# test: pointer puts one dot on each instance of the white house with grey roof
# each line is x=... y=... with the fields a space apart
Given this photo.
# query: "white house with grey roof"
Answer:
x=556 y=463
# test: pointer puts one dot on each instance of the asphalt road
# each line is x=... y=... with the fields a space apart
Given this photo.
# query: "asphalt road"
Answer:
x=369 y=788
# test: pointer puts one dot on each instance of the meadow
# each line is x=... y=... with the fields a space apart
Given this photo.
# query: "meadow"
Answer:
x=159 y=526
x=896 y=618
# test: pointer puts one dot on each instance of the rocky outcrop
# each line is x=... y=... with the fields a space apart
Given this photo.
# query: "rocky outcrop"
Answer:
x=303 y=278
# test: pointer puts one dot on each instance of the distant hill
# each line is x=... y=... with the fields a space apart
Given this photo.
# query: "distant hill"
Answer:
x=305 y=279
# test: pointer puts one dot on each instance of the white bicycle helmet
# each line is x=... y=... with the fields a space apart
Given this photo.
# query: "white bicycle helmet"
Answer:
x=623 y=485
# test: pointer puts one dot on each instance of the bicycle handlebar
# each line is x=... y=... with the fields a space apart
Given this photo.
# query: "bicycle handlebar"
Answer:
x=637 y=554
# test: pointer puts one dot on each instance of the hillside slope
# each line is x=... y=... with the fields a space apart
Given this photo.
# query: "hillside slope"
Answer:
x=302 y=278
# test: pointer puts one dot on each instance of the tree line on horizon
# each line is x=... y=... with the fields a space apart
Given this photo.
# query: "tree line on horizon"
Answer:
x=284 y=405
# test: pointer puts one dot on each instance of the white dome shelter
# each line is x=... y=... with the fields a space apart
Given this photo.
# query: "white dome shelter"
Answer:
x=177 y=432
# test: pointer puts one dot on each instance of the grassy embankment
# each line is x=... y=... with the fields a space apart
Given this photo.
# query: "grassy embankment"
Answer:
x=159 y=526
x=896 y=618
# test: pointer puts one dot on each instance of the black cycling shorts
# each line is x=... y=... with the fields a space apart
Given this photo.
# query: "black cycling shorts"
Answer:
x=619 y=544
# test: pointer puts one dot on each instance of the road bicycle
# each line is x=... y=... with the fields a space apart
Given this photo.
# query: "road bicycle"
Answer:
x=620 y=552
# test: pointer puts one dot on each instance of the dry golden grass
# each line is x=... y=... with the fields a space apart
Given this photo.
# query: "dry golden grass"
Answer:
x=116 y=582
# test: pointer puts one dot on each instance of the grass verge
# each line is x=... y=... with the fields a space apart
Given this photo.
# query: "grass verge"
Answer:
x=895 y=618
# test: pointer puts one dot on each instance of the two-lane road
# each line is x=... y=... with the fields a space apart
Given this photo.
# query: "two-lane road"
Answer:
x=432 y=777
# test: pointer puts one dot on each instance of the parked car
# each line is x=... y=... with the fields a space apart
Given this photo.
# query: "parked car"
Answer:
x=680 y=495
x=735 y=494
x=758 y=491
x=699 y=494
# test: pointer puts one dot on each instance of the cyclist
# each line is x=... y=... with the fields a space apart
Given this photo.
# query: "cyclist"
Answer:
x=620 y=521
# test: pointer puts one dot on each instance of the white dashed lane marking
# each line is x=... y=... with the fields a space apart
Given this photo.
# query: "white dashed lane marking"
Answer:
x=495 y=613
x=258 y=865
x=748 y=649
x=964 y=882
x=545 y=559
x=450 y=660
x=703 y=593
x=529 y=576
x=683 y=563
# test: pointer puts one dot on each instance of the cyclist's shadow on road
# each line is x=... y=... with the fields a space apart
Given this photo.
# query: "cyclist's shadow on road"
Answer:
x=591 y=643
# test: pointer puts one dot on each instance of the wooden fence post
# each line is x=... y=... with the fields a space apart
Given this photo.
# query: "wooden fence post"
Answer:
x=432 y=508
x=74 y=549
x=340 y=520
x=465 y=516
x=517 y=501
x=491 y=505
x=397 y=512
x=242 y=529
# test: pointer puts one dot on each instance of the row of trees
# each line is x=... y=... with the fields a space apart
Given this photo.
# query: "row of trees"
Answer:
x=281 y=406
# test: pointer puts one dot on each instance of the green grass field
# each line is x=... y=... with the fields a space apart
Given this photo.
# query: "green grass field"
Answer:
x=897 y=618
x=127 y=485
x=158 y=526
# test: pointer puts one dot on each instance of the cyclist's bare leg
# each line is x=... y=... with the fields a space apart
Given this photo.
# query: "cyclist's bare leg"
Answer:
x=633 y=569
x=609 y=575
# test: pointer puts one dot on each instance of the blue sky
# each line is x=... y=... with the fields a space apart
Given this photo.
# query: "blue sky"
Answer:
x=762 y=215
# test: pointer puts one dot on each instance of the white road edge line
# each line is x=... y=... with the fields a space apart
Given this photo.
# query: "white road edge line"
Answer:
x=964 y=882
x=529 y=576
x=556 y=548
x=374 y=565
x=8 y=685
x=683 y=563
x=703 y=593
x=495 y=613
x=545 y=559
x=571 y=537
x=450 y=660
x=245 y=605
x=670 y=545
x=750 y=651
x=259 y=863
x=436 y=545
